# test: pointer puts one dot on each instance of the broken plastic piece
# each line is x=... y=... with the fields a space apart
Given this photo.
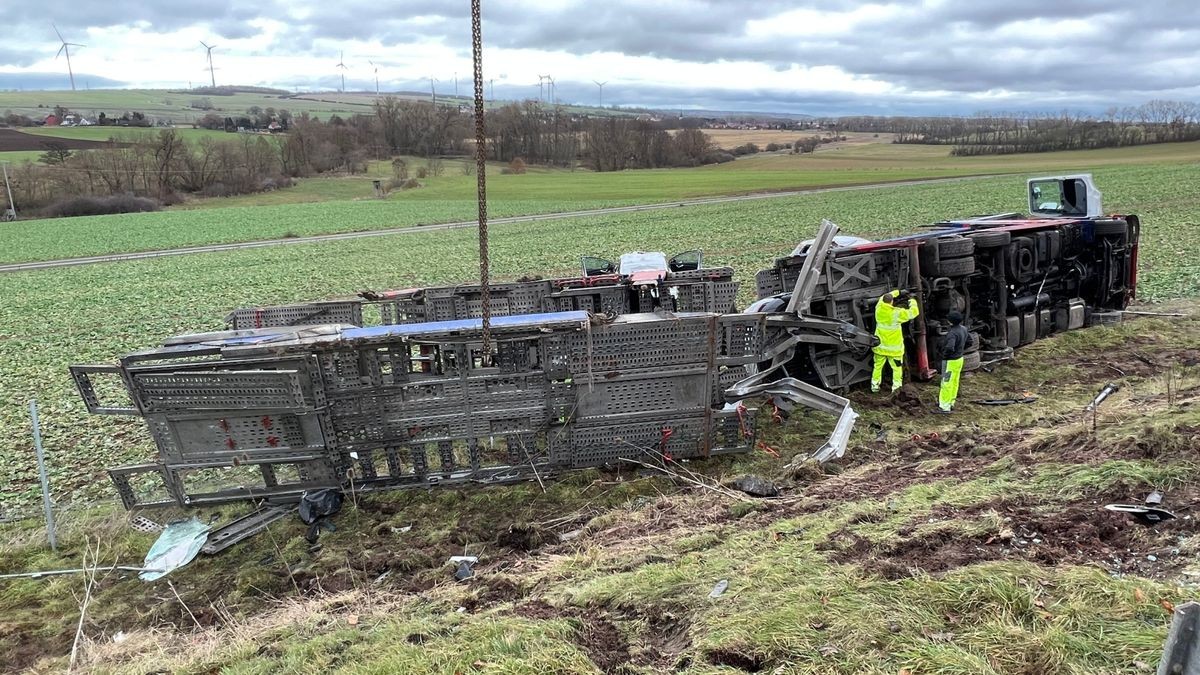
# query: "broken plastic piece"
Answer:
x=1147 y=515
x=464 y=564
x=1154 y=498
x=719 y=589
x=179 y=544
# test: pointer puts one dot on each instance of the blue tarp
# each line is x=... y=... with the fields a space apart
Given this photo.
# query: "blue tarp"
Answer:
x=466 y=325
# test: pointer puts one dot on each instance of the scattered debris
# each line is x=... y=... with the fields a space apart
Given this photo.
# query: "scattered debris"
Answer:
x=464 y=565
x=178 y=545
x=1108 y=390
x=144 y=524
x=756 y=486
x=719 y=589
x=316 y=507
x=1146 y=515
x=1005 y=401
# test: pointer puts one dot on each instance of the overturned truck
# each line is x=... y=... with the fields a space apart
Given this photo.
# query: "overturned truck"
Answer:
x=1015 y=278
x=644 y=361
x=272 y=411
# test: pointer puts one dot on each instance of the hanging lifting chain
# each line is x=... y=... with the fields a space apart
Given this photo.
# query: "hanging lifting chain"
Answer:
x=481 y=178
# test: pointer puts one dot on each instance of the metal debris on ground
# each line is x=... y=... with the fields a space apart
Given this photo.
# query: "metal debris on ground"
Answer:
x=1005 y=401
x=1181 y=655
x=144 y=524
x=74 y=570
x=1147 y=515
x=719 y=589
x=1108 y=390
x=179 y=544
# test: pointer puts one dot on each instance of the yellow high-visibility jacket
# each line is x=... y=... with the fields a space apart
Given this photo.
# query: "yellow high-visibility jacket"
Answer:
x=888 y=320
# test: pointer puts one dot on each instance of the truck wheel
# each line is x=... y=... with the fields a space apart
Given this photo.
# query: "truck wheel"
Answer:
x=972 y=344
x=955 y=247
x=956 y=267
x=971 y=361
x=1110 y=226
x=990 y=355
x=991 y=239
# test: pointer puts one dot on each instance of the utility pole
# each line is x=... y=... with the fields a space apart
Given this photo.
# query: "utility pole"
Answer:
x=11 y=214
x=455 y=85
x=432 y=90
x=601 y=86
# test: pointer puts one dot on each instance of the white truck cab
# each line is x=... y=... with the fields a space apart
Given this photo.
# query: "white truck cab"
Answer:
x=1074 y=196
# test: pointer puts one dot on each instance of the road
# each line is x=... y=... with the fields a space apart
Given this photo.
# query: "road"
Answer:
x=414 y=229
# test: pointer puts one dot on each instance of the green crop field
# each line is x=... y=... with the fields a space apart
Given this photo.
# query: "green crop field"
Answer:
x=344 y=204
x=175 y=106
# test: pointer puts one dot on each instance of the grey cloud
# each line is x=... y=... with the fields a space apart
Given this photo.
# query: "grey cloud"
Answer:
x=963 y=47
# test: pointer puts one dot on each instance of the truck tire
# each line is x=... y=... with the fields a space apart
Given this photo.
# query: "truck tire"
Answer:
x=989 y=355
x=972 y=344
x=1110 y=226
x=991 y=239
x=956 y=267
x=955 y=247
x=971 y=361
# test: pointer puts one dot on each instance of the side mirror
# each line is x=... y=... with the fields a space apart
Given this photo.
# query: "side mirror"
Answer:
x=593 y=266
x=686 y=261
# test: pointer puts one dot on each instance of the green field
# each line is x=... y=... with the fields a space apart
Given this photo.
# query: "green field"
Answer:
x=161 y=103
x=345 y=204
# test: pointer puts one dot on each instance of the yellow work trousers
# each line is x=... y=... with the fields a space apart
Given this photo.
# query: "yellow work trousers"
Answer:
x=897 y=364
x=951 y=373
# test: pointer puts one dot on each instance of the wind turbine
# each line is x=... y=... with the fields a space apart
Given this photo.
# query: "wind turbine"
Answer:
x=66 y=49
x=342 y=65
x=601 y=85
x=212 y=73
x=376 y=76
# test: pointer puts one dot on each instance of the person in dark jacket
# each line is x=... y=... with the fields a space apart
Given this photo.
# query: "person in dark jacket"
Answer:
x=954 y=343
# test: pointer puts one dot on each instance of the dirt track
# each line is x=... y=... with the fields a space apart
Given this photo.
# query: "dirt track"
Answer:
x=213 y=248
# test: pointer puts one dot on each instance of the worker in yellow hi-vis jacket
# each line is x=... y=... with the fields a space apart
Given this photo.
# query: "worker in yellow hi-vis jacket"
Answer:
x=891 y=311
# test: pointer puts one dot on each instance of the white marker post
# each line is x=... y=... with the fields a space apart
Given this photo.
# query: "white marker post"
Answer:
x=41 y=460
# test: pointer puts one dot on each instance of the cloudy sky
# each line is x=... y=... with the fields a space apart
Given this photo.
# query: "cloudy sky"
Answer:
x=817 y=57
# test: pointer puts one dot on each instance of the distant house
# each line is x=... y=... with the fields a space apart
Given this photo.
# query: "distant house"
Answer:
x=84 y=122
x=52 y=120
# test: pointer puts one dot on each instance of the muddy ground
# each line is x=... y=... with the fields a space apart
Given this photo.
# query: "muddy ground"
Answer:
x=12 y=140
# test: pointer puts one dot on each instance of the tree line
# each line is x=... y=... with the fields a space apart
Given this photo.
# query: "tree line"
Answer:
x=995 y=134
x=163 y=167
